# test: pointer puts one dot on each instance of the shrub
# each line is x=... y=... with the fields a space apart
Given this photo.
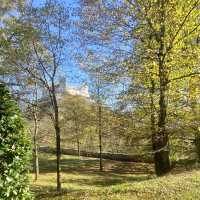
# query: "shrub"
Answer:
x=14 y=150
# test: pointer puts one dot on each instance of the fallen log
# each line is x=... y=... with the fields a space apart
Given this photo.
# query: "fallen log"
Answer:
x=109 y=156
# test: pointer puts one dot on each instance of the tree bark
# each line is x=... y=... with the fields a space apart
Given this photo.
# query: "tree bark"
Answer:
x=197 y=145
x=162 y=162
x=152 y=107
x=160 y=139
x=100 y=138
x=77 y=133
x=58 y=138
x=36 y=167
x=78 y=148
x=58 y=155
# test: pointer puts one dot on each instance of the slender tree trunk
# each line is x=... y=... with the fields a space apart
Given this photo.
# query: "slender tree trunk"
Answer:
x=194 y=102
x=77 y=133
x=78 y=147
x=99 y=120
x=153 y=128
x=36 y=160
x=58 y=139
x=197 y=145
x=100 y=138
x=161 y=156
x=152 y=92
x=58 y=155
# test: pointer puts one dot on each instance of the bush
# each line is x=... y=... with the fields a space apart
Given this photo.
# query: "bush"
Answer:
x=14 y=150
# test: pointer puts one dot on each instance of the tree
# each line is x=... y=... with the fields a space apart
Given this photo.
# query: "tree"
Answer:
x=98 y=95
x=45 y=56
x=145 y=39
x=8 y=23
x=38 y=50
x=15 y=150
x=190 y=121
x=163 y=50
x=77 y=117
x=32 y=113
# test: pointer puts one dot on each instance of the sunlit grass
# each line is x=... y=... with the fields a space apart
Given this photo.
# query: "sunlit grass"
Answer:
x=120 y=181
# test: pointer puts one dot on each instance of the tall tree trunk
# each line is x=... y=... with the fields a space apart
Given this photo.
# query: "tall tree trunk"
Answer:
x=161 y=155
x=152 y=107
x=153 y=128
x=159 y=146
x=160 y=139
x=100 y=138
x=197 y=133
x=78 y=147
x=58 y=139
x=77 y=133
x=36 y=160
x=197 y=145
x=58 y=155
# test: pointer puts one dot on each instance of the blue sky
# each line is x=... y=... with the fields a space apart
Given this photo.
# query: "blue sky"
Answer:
x=72 y=71
x=74 y=75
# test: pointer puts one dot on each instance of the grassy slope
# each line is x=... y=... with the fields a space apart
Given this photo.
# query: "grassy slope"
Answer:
x=130 y=181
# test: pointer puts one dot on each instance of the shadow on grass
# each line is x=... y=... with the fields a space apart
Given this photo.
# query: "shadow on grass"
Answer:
x=115 y=173
x=184 y=165
x=105 y=180
x=49 y=192
x=75 y=165
x=68 y=165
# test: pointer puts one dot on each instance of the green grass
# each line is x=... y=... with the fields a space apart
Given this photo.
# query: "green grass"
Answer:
x=81 y=180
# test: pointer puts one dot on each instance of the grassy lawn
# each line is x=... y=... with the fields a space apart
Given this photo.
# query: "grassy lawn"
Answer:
x=119 y=181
